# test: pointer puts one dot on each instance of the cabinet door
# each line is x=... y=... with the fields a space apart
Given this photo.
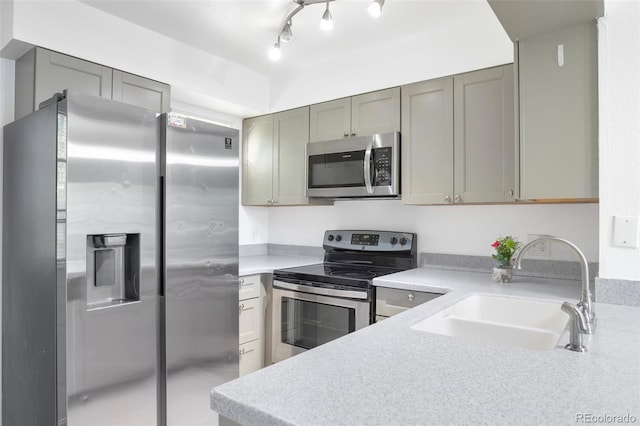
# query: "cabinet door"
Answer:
x=484 y=136
x=250 y=357
x=250 y=321
x=257 y=160
x=376 y=112
x=249 y=287
x=558 y=114
x=330 y=120
x=427 y=142
x=290 y=136
x=55 y=72
x=141 y=91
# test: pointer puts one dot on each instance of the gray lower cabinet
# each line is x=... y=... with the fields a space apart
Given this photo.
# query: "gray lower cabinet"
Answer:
x=250 y=324
x=458 y=139
x=558 y=114
x=392 y=301
x=273 y=161
x=366 y=114
x=40 y=73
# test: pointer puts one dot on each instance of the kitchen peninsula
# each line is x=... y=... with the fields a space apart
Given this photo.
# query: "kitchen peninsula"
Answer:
x=389 y=374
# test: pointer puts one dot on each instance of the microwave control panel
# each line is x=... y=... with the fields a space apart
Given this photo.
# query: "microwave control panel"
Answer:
x=382 y=162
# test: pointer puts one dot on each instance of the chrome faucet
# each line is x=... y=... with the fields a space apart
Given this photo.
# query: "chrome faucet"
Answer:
x=577 y=327
x=584 y=317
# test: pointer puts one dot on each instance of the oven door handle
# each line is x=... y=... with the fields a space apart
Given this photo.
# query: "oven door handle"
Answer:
x=367 y=167
x=351 y=294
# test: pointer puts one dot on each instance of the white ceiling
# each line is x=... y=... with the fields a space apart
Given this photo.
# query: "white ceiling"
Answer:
x=242 y=31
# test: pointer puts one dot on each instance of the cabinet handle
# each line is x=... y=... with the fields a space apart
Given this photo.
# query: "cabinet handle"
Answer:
x=241 y=351
x=447 y=199
x=241 y=307
x=410 y=296
x=241 y=281
x=353 y=133
x=510 y=193
x=457 y=199
x=346 y=134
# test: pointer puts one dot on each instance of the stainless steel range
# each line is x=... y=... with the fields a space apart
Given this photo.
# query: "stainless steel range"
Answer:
x=315 y=304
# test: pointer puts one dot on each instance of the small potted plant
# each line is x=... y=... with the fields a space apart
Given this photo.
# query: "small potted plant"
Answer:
x=505 y=248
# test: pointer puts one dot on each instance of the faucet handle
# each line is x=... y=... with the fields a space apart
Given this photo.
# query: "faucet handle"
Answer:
x=589 y=315
x=578 y=326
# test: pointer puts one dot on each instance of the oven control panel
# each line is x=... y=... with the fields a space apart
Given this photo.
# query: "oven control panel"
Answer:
x=369 y=240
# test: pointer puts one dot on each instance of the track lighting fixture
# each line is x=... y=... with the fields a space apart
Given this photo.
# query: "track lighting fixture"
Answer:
x=326 y=23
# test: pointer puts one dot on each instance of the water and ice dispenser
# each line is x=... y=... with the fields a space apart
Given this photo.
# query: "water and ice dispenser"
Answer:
x=113 y=269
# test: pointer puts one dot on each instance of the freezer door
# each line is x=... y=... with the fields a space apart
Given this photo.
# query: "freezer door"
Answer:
x=32 y=319
x=112 y=285
x=201 y=258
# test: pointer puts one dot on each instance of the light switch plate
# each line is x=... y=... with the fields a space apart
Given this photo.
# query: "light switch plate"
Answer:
x=625 y=231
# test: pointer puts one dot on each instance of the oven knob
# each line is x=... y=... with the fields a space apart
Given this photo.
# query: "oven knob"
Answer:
x=338 y=237
x=330 y=237
x=403 y=241
x=394 y=240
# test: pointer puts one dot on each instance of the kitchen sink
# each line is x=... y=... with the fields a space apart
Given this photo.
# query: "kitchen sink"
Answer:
x=522 y=323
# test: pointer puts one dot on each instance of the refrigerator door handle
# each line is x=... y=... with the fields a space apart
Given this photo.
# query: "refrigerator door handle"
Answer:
x=161 y=238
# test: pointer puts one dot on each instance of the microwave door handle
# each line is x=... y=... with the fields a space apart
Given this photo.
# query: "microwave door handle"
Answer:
x=367 y=168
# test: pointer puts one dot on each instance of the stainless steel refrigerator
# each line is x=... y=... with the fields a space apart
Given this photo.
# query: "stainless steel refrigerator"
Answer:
x=120 y=265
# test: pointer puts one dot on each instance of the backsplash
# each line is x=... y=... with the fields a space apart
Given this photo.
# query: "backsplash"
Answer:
x=541 y=268
x=280 y=250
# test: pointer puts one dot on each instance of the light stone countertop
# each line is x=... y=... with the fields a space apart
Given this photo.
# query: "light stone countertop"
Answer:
x=388 y=374
x=266 y=264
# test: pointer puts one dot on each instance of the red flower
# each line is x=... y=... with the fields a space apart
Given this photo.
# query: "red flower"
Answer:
x=496 y=244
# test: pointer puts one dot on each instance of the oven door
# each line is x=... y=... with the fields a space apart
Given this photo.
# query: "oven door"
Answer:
x=364 y=166
x=303 y=320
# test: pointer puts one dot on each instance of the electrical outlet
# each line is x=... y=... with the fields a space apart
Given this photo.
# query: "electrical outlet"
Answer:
x=539 y=249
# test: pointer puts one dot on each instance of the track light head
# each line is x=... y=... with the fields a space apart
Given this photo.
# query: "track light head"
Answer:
x=274 y=53
x=327 y=22
x=286 y=33
x=375 y=8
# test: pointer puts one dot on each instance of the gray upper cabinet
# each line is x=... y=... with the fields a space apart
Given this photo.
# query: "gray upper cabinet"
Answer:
x=136 y=90
x=273 y=159
x=558 y=114
x=427 y=142
x=290 y=136
x=484 y=136
x=458 y=139
x=257 y=161
x=330 y=120
x=40 y=73
x=367 y=114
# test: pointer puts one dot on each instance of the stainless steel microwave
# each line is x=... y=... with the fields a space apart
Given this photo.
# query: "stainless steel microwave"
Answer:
x=362 y=166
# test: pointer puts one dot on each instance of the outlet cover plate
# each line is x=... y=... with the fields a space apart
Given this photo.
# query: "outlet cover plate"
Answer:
x=625 y=231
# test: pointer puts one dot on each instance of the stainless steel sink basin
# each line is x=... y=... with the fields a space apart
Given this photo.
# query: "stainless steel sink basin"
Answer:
x=522 y=323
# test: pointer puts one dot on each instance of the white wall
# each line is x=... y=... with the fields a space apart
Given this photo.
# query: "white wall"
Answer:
x=619 y=85
x=74 y=28
x=468 y=230
x=464 y=45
